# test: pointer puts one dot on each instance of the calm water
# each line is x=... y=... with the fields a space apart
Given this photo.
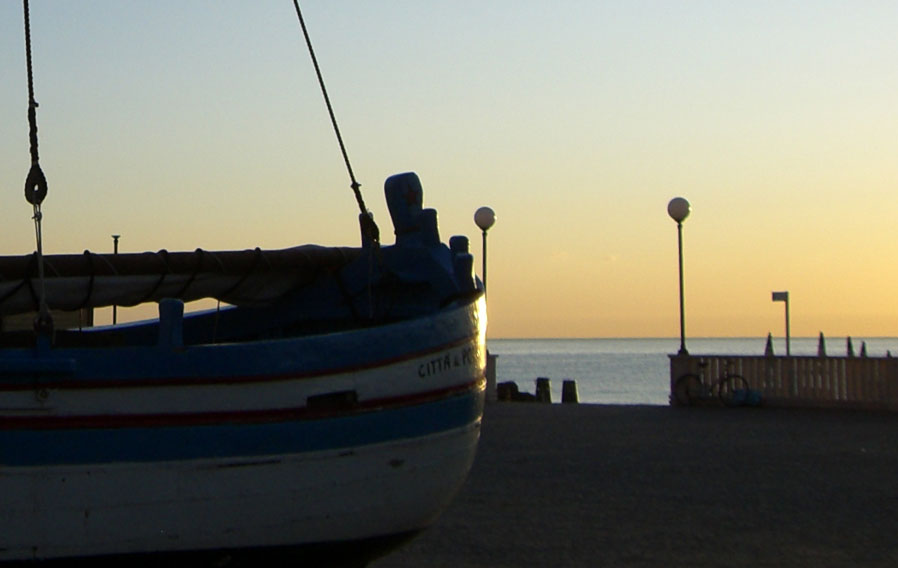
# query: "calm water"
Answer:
x=635 y=371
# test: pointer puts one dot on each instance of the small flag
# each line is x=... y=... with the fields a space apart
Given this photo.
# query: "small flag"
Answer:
x=781 y=296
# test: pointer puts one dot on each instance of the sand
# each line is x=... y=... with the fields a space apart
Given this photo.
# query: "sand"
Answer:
x=590 y=485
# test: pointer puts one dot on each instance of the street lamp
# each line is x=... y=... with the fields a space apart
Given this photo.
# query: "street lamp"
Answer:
x=484 y=218
x=115 y=239
x=679 y=209
x=784 y=297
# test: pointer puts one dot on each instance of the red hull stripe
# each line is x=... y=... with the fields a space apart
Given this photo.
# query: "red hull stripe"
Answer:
x=107 y=421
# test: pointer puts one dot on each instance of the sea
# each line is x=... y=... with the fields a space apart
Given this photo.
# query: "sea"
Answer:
x=637 y=371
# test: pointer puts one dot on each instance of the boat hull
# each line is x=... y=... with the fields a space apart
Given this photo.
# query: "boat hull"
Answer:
x=152 y=459
x=282 y=501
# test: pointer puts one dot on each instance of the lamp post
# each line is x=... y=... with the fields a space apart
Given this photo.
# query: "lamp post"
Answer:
x=115 y=239
x=678 y=209
x=784 y=297
x=484 y=218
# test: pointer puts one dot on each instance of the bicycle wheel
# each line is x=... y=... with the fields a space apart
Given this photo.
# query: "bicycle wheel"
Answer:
x=687 y=389
x=733 y=390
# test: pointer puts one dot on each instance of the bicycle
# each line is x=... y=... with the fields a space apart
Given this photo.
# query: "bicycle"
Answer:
x=730 y=388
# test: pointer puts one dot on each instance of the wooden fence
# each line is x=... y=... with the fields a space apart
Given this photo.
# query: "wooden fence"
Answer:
x=824 y=382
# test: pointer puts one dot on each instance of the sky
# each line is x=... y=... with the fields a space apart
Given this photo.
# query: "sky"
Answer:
x=185 y=124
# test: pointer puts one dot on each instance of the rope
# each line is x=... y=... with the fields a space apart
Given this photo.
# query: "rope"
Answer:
x=163 y=255
x=199 y=254
x=257 y=258
x=369 y=228
x=36 y=184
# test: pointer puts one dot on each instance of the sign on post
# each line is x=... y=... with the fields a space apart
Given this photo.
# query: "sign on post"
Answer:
x=784 y=297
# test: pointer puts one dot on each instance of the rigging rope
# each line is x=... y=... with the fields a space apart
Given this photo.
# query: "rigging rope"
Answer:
x=36 y=184
x=368 y=226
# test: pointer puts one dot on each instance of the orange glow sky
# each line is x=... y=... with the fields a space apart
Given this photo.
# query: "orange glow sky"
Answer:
x=199 y=124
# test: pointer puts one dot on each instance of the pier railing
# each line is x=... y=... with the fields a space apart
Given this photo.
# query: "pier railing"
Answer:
x=822 y=382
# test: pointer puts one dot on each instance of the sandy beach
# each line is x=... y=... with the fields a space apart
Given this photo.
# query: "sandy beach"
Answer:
x=590 y=485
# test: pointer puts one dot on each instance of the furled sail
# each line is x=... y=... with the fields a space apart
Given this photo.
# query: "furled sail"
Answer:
x=249 y=277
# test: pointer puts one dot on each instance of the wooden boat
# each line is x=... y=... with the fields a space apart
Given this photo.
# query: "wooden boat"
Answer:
x=332 y=406
x=345 y=409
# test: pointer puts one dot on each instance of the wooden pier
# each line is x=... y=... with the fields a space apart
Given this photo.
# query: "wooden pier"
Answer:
x=869 y=383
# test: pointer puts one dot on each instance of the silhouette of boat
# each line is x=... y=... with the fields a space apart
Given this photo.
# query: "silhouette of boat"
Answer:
x=334 y=399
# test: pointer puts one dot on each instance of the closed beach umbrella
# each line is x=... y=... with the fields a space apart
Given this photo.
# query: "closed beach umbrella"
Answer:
x=768 y=349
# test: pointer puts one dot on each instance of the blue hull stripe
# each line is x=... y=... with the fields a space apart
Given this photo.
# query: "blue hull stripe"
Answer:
x=20 y=374
x=123 y=445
